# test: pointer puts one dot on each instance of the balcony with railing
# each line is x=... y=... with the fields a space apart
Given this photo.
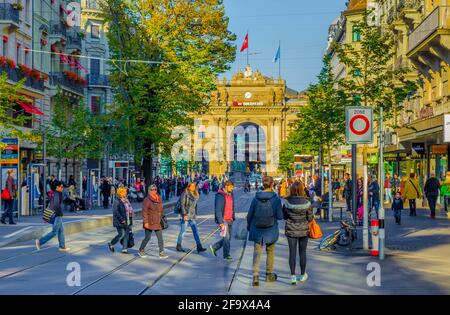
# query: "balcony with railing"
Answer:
x=59 y=78
x=74 y=39
x=9 y=14
x=15 y=75
x=436 y=22
x=98 y=80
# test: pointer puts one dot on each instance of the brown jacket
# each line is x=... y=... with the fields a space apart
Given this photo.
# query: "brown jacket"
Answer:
x=152 y=210
x=11 y=186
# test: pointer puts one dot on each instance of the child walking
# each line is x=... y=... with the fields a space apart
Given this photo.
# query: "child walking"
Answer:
x=397 y=207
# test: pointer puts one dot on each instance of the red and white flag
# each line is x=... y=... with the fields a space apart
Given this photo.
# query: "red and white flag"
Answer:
x=245 y=44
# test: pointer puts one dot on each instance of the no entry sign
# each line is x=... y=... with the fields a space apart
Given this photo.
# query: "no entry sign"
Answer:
x=359 y=124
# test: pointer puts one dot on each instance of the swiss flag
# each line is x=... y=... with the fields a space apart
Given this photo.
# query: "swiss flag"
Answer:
x=245 y=44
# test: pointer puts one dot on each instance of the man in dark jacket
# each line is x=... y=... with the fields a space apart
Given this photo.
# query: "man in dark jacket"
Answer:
x=431 y=190
x=58 y=228
x=374 y=194
x=224 y=213
x=317 y=185
x=347 y=193
x=105 y=188
x=262 y=225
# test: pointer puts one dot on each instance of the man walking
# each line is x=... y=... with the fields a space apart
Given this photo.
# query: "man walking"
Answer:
x=431 y=191
x=225 y=216
x=105 y=188
x=55 y=204
x=374 y=194
x=347 y=193
x=262 y=224
x=388 y=188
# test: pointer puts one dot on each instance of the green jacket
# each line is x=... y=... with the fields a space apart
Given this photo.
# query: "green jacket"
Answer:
x=445 y=189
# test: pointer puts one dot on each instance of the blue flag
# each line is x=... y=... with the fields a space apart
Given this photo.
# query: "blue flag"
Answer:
x=277 y=55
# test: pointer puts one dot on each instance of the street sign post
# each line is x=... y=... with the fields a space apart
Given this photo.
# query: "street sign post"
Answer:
x=359 y=130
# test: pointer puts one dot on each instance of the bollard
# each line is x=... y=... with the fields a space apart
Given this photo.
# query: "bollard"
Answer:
x=374 y=225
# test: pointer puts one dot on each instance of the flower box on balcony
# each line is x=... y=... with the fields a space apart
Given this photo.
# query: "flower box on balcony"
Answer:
x=5 y=38
x=25 y=70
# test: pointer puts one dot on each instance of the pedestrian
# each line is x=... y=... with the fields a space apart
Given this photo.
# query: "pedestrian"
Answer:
x=397 y=207
x=412 y=192
x=225 y=216
x=283 y=188
x=374 y=194
x=206 y=187
x=105 y=188
x=112 y=192
x=298 y=213
x=359 y=199
x=431 y=192
x=445 y=191
x=11 y=189
x=84 y=186
x=152 y=212
x=396 y=183
x=262 y=224
x=189 y=200
x=347 y=193
x=72 y=181
x=388 y=183
x=122 y=220
x=55 y=204
x=317 y=186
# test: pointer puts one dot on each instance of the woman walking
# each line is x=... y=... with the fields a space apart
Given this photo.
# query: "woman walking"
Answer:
x=11 y=188
x=412 y=192
x=360 y=200
x=122 y=220
x=298 y=213
x=189 y=199
x=152 y=211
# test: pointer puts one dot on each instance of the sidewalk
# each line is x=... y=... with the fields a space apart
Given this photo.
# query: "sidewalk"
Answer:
x=416 y=262
x=32 y=227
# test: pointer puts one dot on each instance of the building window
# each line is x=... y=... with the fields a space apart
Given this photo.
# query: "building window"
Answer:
x=356 y=34
x=95 y=31
x=95 y=66
x=92 y=4
x=95 y=104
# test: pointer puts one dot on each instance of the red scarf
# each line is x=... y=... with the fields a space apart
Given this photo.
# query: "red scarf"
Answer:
x=155 y=197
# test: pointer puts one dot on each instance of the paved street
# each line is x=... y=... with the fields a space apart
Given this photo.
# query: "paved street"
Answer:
x=415 y=262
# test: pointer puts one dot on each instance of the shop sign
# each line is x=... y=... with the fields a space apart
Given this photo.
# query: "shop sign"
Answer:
x=418 y=148
x=372 y=159
x=439 y=149
x=10 y=152
x=303 y=158
x=393 y=157
x=248 y=103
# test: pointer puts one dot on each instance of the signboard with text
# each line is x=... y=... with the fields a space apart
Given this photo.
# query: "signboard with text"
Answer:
x=447 y=128
x=359 y=124
x=9 y=153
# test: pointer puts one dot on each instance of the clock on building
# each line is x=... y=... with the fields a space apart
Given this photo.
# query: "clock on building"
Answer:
x=248 y=95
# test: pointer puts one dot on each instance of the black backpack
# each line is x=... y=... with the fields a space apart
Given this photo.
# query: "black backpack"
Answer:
x=264 y=216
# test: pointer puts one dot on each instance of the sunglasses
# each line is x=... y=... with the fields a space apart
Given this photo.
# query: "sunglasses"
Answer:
x=153 y=189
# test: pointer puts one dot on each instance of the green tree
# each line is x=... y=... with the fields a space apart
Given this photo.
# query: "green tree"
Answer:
x=191 y=44
x=321 y=123
x=10 y=117
x=73 y=132
x=369 y=80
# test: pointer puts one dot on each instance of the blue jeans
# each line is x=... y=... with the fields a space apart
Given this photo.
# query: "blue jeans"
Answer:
x=193 y=226
x=224 y=242
x=163 y=194
x=58 y=229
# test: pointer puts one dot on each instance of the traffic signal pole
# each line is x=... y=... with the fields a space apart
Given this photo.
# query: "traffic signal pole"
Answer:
x=354 y=181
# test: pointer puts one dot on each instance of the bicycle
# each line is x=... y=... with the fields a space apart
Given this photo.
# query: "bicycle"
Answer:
x=345 y=236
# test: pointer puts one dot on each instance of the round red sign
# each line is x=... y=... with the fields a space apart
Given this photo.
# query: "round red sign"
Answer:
x=362 y=131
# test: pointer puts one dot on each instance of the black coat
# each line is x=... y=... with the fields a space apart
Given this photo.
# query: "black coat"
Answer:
x=119 y=215
x=432 y=187
x=298 y=213
x=347 y=193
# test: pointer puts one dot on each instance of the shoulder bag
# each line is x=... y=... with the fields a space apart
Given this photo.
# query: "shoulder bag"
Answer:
x=164 y=223
x=415 y=188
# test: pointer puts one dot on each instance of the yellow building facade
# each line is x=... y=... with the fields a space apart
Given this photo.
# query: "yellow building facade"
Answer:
x=248 y=118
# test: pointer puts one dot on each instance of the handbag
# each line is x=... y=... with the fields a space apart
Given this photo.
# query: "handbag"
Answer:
x=5 y=194
x=130 y=239
x=49 y=216
x=315 y=231
x=164 y=223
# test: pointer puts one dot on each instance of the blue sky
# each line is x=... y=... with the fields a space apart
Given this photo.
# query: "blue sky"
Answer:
x=300 y=25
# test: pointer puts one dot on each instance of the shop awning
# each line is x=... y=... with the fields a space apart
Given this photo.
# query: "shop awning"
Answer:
x=29 y=108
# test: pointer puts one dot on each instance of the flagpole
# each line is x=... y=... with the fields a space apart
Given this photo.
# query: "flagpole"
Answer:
x=248 y=47
x=279 y=60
